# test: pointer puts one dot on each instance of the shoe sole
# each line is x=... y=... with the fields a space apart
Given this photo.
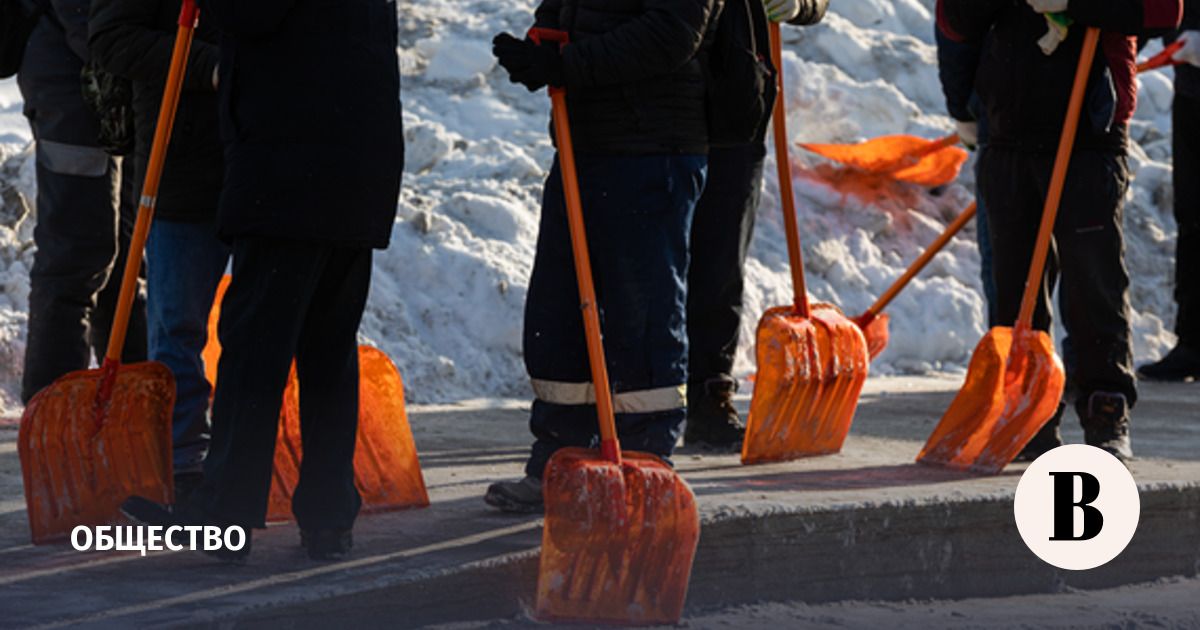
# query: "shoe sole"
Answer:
x=512 y=506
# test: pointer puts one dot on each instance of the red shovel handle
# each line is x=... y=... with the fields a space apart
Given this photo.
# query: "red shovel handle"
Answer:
x=188 y=16
x=610 y=448
x=1163 y=58
x=784 y=165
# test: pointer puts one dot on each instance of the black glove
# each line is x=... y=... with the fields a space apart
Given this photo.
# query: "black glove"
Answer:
x=528 y=63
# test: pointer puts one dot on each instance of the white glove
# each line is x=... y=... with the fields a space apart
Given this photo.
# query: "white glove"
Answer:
x=782 y=10
x=1190 y=52
x=968 y=132
x=1048 y=6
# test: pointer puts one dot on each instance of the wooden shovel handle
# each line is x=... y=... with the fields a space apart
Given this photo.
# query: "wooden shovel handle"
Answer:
x=188 y=15
x=610 y=448
x=784 y=165
x=917 y=265
x=1058 y=176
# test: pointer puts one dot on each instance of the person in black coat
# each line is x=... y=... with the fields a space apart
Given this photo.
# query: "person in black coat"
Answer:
x=1024 y=85
x=310 y=116
x=721 y=231
x=85 y=210
x=184 y=259
x=635 y=92
x=1182 y=363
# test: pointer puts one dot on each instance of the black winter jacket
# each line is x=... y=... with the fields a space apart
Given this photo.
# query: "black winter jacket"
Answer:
x=634 y=84
x=310 y=116
x=1025 y=92
x=135 y=39
x=1187 y=76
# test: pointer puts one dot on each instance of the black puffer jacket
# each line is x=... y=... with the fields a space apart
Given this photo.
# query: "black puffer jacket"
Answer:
x=1025 y=92
x=135 y=39
x=634 y=84
x=310 y=116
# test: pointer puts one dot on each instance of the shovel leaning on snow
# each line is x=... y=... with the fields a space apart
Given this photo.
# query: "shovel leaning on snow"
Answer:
x=94 y=437
x=1015 y=380
x=874 y=324
x=621 y=527
x=812 y=361
x=387 y=472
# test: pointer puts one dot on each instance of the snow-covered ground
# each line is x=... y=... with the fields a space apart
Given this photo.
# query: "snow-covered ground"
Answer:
x=446 y=303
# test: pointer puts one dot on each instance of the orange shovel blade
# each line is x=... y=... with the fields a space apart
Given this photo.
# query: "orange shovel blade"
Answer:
x=386 y=470
x=79 y=474
x=810 y=373
x=876 y=334
x=618 y=542
x=903 y=157
x=1013 y=386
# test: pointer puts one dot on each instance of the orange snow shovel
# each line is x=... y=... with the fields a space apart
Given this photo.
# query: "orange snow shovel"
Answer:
x=812 y=362
x=1015 y=379
x=93 y=438
x=901 y=157
x=621 y=527
x=386 y=469
x=874 y=325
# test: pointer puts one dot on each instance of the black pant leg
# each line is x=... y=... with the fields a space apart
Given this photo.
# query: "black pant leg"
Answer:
x=1185 y=142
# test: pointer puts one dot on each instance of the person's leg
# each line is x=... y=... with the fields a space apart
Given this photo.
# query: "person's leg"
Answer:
x=720 y=238
x=184 y=265
x=1095 y=287
x=1183 y=361
x=261 y=318
x=136 y=342
x=327 y=369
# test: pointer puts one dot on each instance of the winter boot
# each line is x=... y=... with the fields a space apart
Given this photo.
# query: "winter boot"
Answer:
x=1046 y=439
x=516 y=497
x=712 y=422
x=1182 y=363
x=1105 y=422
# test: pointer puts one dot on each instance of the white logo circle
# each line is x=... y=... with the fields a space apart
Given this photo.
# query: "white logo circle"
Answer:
x=1077 y=507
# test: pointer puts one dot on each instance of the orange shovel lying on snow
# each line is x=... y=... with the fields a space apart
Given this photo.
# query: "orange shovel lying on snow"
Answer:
x=386 y=469
x=902 y=157
x=1015 y=379
x=621 y=527
x=812 y=362
x=93 y=438
x=872 y=323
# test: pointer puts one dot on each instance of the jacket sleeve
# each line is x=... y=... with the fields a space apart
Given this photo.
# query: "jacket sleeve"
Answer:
x=662 y=39
x=811 y=12
x=246 y=18
x=1133 y=17
x=73 y=15
x=957 y=63
x=124 y=40
x=546 y=15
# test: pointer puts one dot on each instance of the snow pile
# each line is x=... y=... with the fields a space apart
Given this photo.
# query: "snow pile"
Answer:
x=447 y=298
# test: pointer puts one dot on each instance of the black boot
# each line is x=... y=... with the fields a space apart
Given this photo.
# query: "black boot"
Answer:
x=712 y=422
x=1182 y=363
x=1105 y=420
x=1049 y=437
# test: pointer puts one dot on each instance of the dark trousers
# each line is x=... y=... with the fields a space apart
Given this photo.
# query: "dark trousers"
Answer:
x=637 y=212
x=287 y=299
x=1185 y=146
x=1087 y=253
x=721 y=232
x=84 y=223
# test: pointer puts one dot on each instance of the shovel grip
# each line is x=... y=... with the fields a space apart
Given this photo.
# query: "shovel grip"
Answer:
x=539 y=34
x=784 y=165
x=1058 y=176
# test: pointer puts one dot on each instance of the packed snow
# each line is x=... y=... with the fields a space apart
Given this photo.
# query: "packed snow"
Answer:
x=447 y=297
